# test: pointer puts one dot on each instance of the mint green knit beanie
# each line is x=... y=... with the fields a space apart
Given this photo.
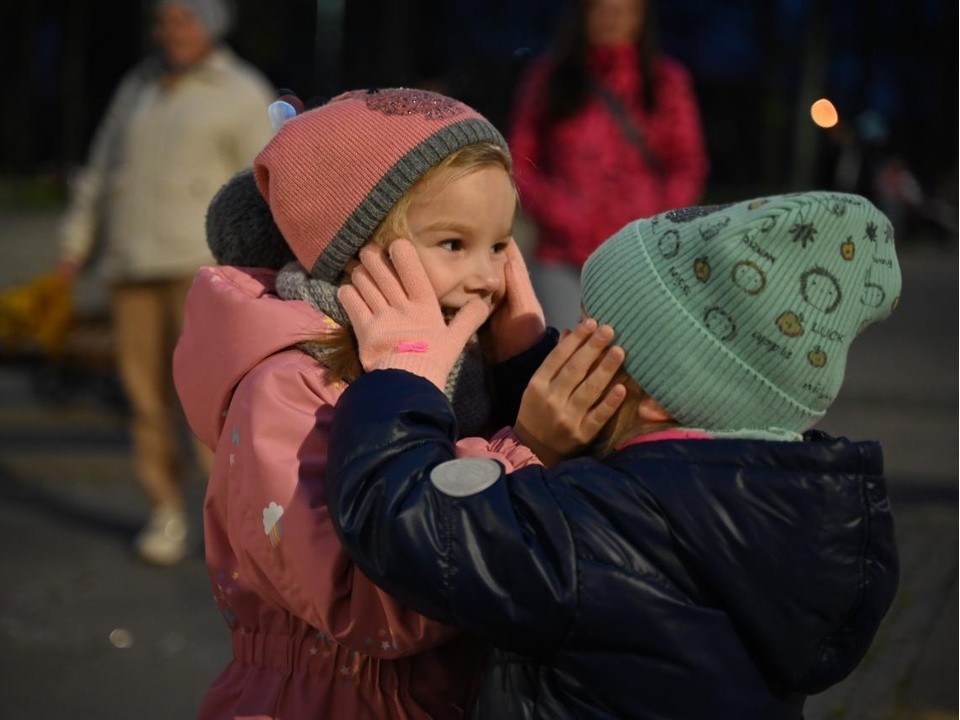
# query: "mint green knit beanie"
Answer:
x=737 y=318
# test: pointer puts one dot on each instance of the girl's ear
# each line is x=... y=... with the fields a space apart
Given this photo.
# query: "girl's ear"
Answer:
x=649 y=410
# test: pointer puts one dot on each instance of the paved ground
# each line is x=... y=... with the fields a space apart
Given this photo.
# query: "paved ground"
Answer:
x=88 y=632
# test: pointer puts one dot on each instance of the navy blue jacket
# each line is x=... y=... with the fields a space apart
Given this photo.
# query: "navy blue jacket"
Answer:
x=671 y=579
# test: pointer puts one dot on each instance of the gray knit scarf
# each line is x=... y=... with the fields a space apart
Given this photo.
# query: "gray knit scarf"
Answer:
x=466 y=387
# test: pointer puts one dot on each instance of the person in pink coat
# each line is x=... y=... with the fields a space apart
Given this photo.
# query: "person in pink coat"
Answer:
x=265 y=354
x=604 y=129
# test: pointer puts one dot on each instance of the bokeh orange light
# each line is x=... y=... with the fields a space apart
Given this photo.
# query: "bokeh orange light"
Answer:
x=824 y=114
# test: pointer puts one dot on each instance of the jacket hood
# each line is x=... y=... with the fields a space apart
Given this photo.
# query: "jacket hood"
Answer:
x=233 y=320
x=793 y=540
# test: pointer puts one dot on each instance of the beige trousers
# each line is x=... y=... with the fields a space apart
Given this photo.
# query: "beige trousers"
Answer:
x=147 y=317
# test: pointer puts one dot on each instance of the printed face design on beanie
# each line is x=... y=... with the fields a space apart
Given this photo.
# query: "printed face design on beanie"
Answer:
x=748 y=277
x=820 y=289
x=720 y=323
x=790 y=324
x=401 y=101
x=873 y=295
x=669 y=244
x=871 y=231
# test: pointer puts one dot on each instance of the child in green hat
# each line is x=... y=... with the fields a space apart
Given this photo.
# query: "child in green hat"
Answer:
x=713 y=556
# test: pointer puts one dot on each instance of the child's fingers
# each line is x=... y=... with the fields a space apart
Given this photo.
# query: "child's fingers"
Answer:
x=468 y=319
x=410 y=270
x=353 y=304
x=558 y=357
x=376 y=262
x=580 y=364
x=368 y=289
x=594 y=385
x=600 y=414
x=515 y=271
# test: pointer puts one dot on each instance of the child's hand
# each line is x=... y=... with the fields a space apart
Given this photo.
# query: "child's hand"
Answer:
x=397 y=319
x=517 y=322
x=569 y=398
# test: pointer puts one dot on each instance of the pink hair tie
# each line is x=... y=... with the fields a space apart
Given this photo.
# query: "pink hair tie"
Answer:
x=417 y=346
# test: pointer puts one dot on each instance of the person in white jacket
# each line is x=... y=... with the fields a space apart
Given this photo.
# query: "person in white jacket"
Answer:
x=179 y=125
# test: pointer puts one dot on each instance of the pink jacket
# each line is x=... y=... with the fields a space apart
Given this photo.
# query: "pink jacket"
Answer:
x=581 y=179
x=312 y=636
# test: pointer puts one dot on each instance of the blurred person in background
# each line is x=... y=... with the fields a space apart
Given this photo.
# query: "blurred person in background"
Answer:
x=180 y=124
x=605 y=129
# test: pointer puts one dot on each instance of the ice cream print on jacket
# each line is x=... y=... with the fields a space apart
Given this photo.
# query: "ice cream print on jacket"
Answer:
x=271 y=523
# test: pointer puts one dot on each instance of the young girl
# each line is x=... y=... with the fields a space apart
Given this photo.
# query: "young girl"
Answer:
x=263 y=359
x=708 y=560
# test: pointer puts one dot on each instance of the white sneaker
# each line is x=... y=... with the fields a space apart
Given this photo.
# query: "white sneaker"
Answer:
x=163 y=540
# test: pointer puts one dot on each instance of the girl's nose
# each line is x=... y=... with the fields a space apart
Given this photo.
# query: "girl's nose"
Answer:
x=486 y=277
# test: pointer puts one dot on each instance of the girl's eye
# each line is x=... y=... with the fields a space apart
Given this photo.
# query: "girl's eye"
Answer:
x=500 y=247
x=452 y=245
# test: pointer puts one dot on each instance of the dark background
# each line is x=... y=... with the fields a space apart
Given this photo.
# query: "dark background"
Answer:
x=757 y=65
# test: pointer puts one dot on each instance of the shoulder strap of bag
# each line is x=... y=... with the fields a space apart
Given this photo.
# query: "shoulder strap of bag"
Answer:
x=631 y=131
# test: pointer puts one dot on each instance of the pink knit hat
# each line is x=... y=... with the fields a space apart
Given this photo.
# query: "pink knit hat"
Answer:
x=331 y=175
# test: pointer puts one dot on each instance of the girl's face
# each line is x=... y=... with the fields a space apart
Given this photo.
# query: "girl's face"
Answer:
x=613 y=22
x=461 y=225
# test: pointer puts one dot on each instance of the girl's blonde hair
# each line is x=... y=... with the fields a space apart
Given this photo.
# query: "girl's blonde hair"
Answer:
x=338 y=345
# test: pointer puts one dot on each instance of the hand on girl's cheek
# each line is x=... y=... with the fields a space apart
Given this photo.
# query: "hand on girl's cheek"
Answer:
x=501 y=293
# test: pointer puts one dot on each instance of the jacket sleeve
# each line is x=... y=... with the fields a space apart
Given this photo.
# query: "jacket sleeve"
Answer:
x=504 y=447
x=275 y=440
x=458 y=539
x=683 y=151
x=548 y=201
